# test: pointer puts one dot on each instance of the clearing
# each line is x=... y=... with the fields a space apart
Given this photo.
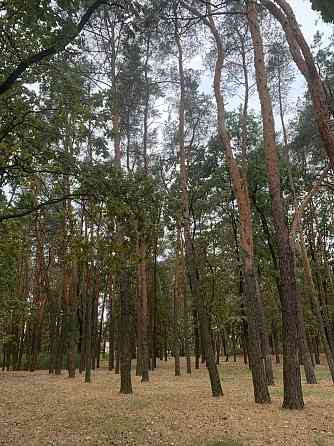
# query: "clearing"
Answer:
x=39 y=409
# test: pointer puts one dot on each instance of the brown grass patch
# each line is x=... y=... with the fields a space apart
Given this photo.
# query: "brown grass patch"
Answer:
x=38 y=409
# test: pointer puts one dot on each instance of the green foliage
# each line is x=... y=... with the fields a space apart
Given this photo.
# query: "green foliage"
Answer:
x=326 y=8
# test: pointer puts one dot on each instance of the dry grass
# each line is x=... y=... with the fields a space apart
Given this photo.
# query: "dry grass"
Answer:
x=38 y=409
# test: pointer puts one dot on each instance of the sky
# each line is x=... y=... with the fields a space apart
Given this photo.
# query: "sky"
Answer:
x=310 y=22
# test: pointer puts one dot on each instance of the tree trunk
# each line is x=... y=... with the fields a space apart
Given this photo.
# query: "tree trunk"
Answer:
x=139 y=322
x=176 y=303
x=316 y=350
x=196 y=339
x=190 y=255
x=111 y=328
x=144 y=311
x=240 y=188
x=293 y=394
x=71 y=355
x=261 y=392
x=303 y=347
x=304 y=60
x=125 y=333
x=187 y=340
x=176 y=343
x=314 y=298
x=88 y=335
x=302 y=342
x=100 y=332
x=275 y=341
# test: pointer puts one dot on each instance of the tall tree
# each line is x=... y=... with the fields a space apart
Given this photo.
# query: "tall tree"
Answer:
x=190 y=254
x=293 y=394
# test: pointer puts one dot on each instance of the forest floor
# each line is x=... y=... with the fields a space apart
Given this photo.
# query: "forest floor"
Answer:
x=37 y=409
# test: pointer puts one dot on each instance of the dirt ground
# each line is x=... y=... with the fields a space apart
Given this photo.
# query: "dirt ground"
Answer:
x=39 y=410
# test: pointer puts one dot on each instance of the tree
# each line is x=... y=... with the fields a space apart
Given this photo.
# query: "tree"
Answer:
x=304 y=60
x=57 y=41
x=239 y=182
x=190 y=254
x=293 y=396
x=325 y=7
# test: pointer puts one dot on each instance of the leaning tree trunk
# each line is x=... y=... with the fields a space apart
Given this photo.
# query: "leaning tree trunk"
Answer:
x=293 y=394
x=306 y=64
x=240 y=188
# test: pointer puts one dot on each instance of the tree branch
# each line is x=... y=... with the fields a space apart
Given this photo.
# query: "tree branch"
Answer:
x=301 y=209
x=59 y=45
x=36 y=208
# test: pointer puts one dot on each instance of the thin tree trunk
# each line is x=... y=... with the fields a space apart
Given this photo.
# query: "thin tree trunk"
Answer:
x=88 y=330
x=125 y=333
x=313 y=294
x=196 y=339
x=100 y=332
x=176 y=343
x=316 y=350
x=144 y=312
x=190 y=255
x=176 y=302
x=275 y=341
x=111 y=327
x=139 y=327
x=303 y=347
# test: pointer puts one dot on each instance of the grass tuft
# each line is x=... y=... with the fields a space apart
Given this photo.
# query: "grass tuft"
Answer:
x=224 y=443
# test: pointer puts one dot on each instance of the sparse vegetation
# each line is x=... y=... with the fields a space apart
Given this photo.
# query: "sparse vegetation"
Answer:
x=40 y=409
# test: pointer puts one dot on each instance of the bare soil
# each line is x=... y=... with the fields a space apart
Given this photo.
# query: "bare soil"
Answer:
x=37 y=409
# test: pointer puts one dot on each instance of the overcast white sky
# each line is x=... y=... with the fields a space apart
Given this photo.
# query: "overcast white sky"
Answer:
x=309 y=19
x=310 y=22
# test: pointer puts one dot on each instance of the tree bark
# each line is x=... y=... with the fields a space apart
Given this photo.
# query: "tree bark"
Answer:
x=125 y=333
x=111 y=328
x=190 y=254
x=240 y=188
x=304 y=60
x=58 y=46
x=314 y=298
x=293 y=394
x=176 y=304
x=88 y=327
x=144 y=310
